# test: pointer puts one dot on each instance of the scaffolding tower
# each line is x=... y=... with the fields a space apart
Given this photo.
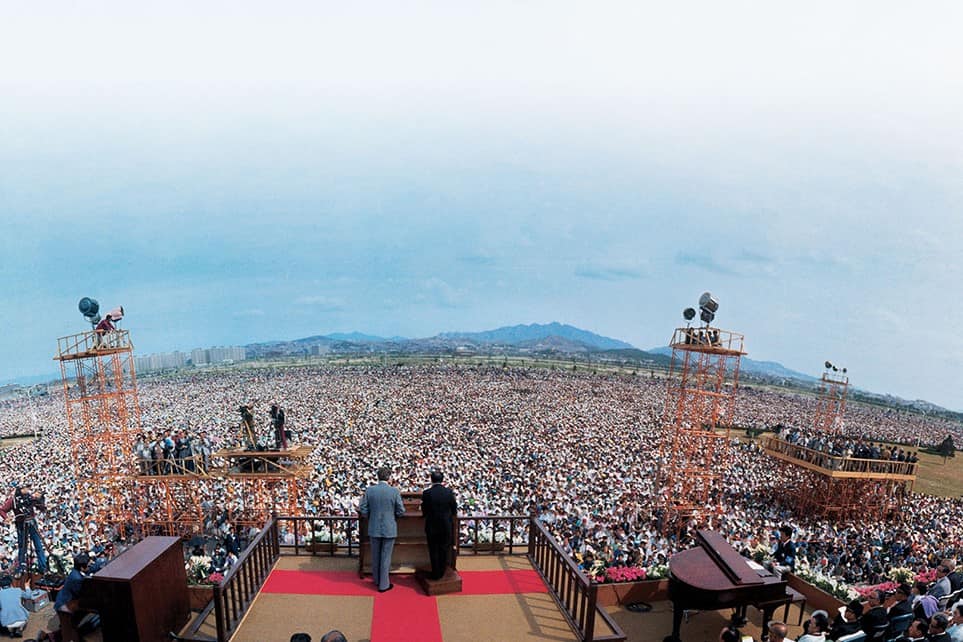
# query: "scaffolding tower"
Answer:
x=699 y=407
x=103 y=419
x=819 y=484
x=133 y=497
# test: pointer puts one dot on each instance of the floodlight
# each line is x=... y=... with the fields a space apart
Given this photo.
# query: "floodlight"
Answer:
x=828 y=365
x=708 y=302
x=707 y=316
x=89 y=308
x=844 y=370
x=689 y=314
x=117 y=313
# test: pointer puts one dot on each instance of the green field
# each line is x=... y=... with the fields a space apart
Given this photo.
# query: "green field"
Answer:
x=936 y=478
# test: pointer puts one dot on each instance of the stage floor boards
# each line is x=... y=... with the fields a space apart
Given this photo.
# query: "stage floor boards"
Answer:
x=502 y=599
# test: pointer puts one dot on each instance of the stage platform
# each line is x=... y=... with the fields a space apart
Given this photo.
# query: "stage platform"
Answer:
x=502 y=599
x=259 y=463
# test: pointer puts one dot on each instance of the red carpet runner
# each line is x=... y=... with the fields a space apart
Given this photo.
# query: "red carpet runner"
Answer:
x=403 y=613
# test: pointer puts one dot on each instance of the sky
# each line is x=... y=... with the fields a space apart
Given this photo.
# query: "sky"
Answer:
x=233 y=172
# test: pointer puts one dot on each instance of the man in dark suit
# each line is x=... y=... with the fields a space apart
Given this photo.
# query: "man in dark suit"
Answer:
x=904 y=601
x=848 y=621
x=874 y=616
x=938 y=625
x=381 y=505
x=439 y=507
x=785 y=553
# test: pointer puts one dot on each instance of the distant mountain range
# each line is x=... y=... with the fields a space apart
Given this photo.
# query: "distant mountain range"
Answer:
x=759 y=368
x=551 y=340
x=535 y=333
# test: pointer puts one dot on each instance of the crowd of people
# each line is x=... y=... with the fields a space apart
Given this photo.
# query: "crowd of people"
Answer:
x=578 y=449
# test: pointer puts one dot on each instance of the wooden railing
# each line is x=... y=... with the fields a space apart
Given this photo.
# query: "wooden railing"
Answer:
x=341 y=532
x=574 y=593
x=842 y=466
x=517 y=525
x=240 y=585
x=87 y=342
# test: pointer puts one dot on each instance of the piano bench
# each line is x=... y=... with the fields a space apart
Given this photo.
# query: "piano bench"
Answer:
x=794 y=597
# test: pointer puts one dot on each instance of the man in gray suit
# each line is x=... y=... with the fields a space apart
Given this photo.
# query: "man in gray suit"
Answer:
x=381 y=504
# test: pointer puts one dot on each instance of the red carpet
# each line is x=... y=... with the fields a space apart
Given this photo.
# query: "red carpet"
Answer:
x=501 y=582
x=318 y=583
x=405 y=613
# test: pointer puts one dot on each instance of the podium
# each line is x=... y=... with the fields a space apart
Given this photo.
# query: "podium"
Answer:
x=410 y=554
x=142 y=594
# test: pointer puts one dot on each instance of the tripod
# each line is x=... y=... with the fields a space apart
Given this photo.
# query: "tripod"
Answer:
x=28 y=538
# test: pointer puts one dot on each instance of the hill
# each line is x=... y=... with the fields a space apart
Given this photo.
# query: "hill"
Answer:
x=535 y=332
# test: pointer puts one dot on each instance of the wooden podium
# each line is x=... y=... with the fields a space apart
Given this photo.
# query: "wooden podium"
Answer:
x=142 y=594
x=410 y=554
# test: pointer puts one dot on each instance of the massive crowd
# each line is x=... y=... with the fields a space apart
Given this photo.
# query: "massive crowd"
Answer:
x=578 y=449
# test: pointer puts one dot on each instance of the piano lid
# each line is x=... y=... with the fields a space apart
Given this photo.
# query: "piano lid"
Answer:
x=715 y=566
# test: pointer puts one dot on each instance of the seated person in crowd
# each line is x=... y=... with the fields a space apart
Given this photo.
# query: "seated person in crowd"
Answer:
x=956 y=622
x=874 y=616
x=938 y=625
x=942 y=585
x=904 y=602
x=916 y=632
x=815 y=627
x=778 y=632
x=847 y=621
x=955 y=577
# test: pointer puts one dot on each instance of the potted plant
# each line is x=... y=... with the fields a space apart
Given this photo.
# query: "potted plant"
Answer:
x=629 y=584
x=201 y=581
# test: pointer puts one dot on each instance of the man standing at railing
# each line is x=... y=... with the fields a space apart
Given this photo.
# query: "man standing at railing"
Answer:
x=381 y=505
x=439 y=507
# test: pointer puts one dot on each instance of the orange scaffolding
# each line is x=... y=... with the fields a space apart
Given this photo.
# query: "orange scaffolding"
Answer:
x=699 y=406
x=125 y=495
x=831 y=404
x=103 y=419
x=819 y=484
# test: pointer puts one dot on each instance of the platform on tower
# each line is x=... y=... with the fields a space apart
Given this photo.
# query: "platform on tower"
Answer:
x=88 y=344
x=838 y=467
x=279 y=463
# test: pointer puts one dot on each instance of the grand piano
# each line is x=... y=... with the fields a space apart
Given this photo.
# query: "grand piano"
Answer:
x=714 y=576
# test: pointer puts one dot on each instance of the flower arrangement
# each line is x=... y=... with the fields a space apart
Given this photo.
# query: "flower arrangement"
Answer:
x=888 y=587
x=214 y=578
x=900 y=574
x=198 y=569
x=928 y=576
x=836 y=588
x=624 y=574
x=658 y=571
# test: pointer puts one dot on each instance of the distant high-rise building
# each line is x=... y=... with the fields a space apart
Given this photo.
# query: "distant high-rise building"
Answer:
x=198 y=357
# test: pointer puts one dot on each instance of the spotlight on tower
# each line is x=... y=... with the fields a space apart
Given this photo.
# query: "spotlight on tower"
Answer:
x=90 y=308
x=689 y=314
x=828 y=365
x=708 y=306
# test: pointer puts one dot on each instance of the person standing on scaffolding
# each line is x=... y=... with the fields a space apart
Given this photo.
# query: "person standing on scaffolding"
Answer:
x=25 y=505
x=277 y=420
x=247 y=426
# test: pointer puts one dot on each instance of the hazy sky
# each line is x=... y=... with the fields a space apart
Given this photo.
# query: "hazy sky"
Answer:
x=234 y=172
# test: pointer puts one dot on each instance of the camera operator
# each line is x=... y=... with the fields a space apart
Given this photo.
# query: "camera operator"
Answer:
x=247 y=426
x=25 y=505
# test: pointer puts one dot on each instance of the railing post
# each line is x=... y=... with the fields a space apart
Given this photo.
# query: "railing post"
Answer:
x=589 y=633
x=219 y=613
